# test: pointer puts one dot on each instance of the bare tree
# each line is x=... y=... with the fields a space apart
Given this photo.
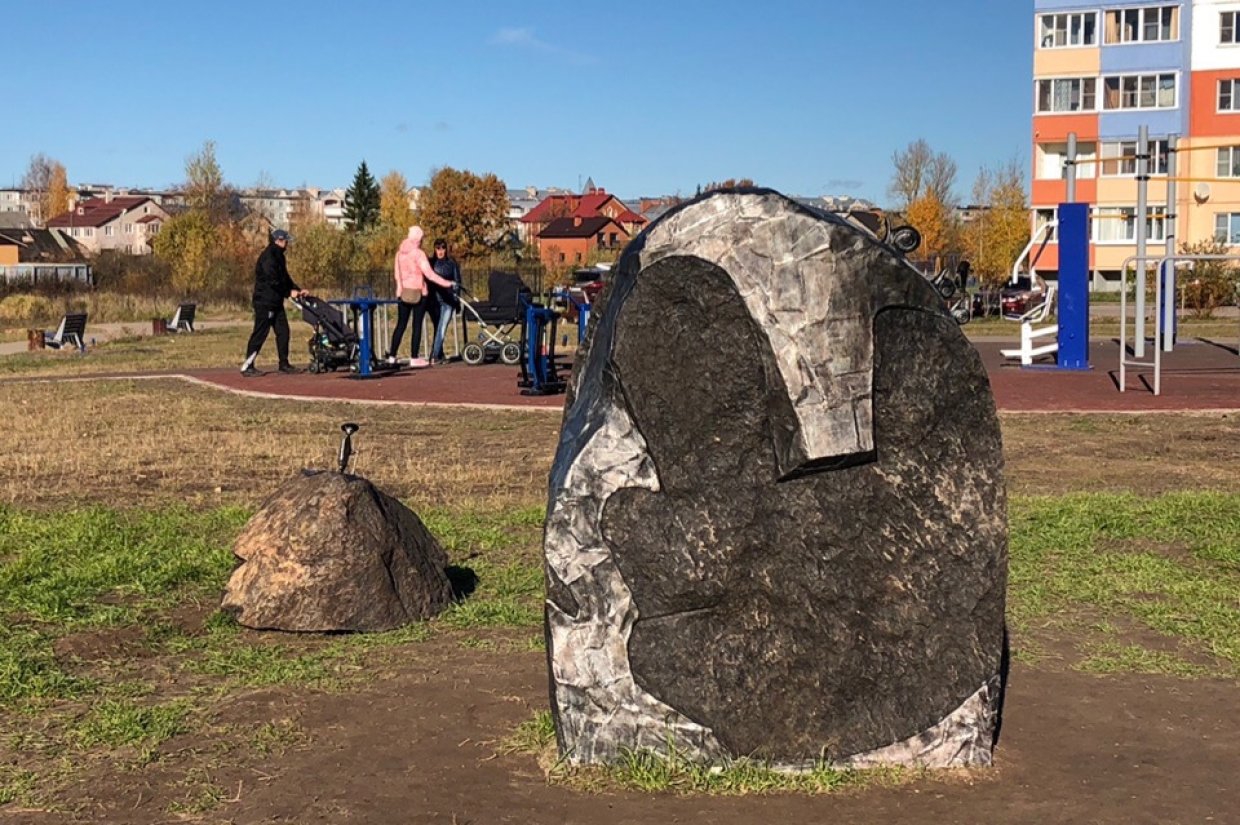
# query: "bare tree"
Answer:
x=46 y=180
x=920 y=171
x=909 y=178
x=941 y=178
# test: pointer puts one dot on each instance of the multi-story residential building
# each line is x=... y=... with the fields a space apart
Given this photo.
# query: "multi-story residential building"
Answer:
x=123 y=224
x=1103 y=70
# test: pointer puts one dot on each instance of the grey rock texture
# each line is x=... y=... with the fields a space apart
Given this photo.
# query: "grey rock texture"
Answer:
x=777 y=523
x=330 y=552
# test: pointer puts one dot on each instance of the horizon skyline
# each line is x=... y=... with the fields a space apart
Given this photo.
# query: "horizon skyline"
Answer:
x=806 y=98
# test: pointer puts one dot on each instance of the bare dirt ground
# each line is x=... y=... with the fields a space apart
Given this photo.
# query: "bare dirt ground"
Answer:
x=420 y=747
x=414 y=735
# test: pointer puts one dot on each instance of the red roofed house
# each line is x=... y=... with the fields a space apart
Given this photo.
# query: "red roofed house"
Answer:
x=121 y=223
x=568 y=226
x=571 y=240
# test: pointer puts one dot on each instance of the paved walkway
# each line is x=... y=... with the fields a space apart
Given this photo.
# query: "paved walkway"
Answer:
x=1198 y=376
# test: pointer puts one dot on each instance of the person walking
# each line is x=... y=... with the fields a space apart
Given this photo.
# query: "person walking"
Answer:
x=412 y=270
x=272 y=284
x=448 y=300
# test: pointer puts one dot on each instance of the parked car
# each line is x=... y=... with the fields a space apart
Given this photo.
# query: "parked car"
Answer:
x=590 y=280
x=1019 y=298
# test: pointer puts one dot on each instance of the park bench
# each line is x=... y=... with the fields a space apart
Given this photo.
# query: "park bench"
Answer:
x=72 y=330
x=183 y=320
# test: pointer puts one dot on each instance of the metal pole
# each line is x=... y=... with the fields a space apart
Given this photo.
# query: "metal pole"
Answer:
x=1143 y=182
x=1071 y=164
x=1168 y=273
x=1123 y=327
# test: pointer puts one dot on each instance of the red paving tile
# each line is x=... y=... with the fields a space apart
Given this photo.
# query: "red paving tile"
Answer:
x=1197 y=376
x=488 y=384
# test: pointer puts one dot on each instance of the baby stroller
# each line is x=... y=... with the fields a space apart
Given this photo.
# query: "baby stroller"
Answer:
x=333 y=343
x=496 y=319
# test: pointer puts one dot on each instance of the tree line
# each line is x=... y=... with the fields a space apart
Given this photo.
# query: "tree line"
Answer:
x=923 y=187
x=208 y=247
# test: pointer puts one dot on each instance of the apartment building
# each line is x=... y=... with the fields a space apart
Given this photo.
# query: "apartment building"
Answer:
x=1102 y=71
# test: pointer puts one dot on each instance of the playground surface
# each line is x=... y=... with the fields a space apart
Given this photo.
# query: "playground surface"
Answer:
x=1199 y=375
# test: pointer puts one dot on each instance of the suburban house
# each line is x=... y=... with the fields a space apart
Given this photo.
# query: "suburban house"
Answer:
x=561 y=220
x=571 y=240
x=123 y=224
x=40 y=255
x=523 y=201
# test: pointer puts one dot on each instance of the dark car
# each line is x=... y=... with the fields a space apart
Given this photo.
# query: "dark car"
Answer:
x=1012 y=299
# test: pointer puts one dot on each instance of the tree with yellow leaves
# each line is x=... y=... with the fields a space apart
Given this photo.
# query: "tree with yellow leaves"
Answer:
x=394 y=210
x=469 y=211
x=1001 y=230
x=936 y=222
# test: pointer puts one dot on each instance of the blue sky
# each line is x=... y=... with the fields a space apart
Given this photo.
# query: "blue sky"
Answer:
x=807 y=96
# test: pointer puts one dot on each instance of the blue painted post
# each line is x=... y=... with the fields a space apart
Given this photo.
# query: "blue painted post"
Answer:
x=1073 y=310
x=583 y=320
x=364 y=319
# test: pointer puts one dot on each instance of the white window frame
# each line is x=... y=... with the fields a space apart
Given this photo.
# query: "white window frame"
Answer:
x=1082 y=94
x=109 y=231
x=1123 y=153
x=1229 y=21
x=1041 y=217
x=1086 y=160
x=1139 y=82
x=1043 y=31
x=1233 y=95
x=1231 y=234
x=1142 y=12
x=1104 y=216
x=1227 y=162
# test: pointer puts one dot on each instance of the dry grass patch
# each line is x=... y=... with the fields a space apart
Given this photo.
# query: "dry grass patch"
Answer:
x=143 y=443
x=1146 y=454
x=215 y=347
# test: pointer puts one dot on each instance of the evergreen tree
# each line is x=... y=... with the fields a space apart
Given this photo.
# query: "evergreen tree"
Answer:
x=361 y=202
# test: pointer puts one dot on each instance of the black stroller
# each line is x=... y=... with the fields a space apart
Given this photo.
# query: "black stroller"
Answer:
x=333 y=344
x=496 y=318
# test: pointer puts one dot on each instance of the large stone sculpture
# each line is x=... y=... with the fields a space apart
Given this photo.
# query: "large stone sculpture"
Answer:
x=777 y=522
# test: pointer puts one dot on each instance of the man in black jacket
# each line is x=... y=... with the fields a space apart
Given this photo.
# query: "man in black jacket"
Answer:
x=272 y=285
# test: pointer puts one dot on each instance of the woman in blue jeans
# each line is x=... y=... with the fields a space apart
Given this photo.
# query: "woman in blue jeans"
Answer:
x=446 y=299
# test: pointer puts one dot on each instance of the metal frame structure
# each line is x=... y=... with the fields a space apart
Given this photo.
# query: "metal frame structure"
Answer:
x=1164 y=337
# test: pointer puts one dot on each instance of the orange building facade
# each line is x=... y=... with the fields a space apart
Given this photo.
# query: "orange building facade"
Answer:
x=1101 y=71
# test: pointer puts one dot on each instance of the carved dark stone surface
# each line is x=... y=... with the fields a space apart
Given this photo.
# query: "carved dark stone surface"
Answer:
x=777 y=522
x=331 y=552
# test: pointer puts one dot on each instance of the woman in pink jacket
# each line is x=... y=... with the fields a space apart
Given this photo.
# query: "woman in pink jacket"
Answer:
x=412 y=270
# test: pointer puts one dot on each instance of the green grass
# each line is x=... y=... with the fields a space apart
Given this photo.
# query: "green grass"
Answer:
x=1112 y=657
x=96 y=568
x=113 y=724
x=670 y=770
x=1170 y=563
x=15 y=784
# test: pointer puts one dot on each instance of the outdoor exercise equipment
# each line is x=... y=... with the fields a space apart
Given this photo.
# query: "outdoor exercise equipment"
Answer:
x=362 y=305
x=580 y=302
x=540 y=371
x=1071 y=330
